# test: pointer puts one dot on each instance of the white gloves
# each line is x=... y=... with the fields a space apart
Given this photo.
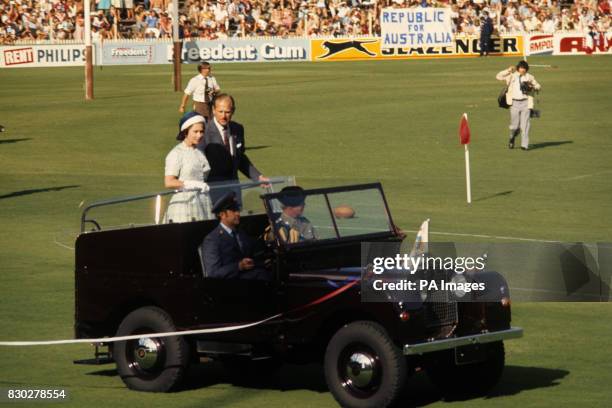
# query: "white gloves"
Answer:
x=195 y=184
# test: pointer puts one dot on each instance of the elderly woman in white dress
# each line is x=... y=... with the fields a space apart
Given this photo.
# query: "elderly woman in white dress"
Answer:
x=187 y=169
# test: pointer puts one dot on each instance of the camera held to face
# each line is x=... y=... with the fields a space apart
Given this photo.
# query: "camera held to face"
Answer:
x=527 y=87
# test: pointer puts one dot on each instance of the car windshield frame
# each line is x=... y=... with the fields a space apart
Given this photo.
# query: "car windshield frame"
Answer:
x=271 y=208
x=270 y=185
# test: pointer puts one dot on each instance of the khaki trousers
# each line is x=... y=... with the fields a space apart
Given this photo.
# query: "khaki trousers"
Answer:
x=202 y=108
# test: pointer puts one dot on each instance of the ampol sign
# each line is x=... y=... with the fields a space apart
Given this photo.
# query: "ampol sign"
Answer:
x=540 y=45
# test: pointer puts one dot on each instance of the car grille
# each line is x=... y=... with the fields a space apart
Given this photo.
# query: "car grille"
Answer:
x=439 y=310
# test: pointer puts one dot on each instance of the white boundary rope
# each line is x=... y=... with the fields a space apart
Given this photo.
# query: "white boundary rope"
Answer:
x=137 y=336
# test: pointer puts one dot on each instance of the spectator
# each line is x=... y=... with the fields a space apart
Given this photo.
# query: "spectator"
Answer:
x=212 y=19
x=152 y=24
x=165 y=26
x=103 y=4
x=112 y=16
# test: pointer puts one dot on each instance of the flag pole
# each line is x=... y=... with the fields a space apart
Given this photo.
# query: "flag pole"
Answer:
x=177 y=47
x=468 y=183
x=464 y=138
x=89 y=88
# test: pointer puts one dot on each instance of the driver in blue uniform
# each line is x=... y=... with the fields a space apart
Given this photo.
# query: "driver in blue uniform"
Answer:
x=227 y=251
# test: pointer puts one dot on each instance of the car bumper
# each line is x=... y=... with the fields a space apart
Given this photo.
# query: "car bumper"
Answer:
x=451 y=343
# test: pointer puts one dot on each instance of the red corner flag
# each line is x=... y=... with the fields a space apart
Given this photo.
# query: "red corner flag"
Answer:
x=464 y=130
x=464 y=137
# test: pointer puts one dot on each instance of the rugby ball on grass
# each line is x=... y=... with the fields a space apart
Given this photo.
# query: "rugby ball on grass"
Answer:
x=344 y=211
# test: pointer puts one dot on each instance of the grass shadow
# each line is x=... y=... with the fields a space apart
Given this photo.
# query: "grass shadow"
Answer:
x=7 y=141
x=289 y=377
x=517 y=379
x=419 y=391
x=35 y=191
x=258 y=147
x=549 y=144
x=111 y=372
x=503 y=193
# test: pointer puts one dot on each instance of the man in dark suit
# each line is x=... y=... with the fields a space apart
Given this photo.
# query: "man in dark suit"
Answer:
x=226 y=251
x=224 y=146
x=486 y=30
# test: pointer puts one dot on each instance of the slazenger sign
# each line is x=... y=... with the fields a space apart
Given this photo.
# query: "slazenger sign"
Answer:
x=372 y=48
x=42 y=56
x=243 y=51
x=462 y=46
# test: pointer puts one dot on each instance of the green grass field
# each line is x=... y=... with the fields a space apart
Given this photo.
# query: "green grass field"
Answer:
x=328 y=124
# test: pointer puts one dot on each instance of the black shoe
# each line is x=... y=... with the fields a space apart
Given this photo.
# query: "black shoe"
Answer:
x=511 y=143
x=524 y=148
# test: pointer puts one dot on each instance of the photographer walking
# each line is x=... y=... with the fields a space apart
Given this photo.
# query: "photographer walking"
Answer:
x=202 y=88
x=521 y=86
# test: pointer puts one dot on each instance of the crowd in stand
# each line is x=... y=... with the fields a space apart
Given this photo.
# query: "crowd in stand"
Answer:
x=218 y=19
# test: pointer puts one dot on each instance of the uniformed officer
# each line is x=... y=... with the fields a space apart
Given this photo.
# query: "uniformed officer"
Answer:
x=486 y=30
x=227 y=251
x=292 y=226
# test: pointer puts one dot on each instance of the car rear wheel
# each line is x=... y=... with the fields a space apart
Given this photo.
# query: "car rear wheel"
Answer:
x=363 y=368
x=457 y=381
x=153 y=364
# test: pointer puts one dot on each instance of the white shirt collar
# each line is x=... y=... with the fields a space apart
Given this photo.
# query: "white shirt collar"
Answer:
x=226 y=228
x=219 y=126
x=229 y=134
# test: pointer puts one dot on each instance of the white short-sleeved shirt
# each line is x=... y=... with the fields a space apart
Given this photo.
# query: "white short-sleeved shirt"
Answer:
x=187 y=163
x=197 y=87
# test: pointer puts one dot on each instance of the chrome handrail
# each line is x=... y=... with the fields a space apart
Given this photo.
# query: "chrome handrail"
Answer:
x=213 y=186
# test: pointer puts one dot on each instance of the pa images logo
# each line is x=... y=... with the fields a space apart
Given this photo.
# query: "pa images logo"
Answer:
x=346 y=49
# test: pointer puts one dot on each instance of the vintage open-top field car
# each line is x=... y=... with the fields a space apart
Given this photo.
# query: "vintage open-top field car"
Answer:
x=143 y=279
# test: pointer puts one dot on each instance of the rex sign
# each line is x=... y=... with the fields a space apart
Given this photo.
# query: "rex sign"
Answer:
x=42 y=56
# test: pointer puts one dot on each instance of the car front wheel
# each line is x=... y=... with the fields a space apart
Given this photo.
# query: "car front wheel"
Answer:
x=363 y=368
x=153 y=364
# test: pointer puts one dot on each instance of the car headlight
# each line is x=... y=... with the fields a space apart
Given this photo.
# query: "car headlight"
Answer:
x=423 y=294
x=459 y=283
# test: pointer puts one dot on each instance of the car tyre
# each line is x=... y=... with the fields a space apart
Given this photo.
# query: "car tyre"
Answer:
x=150 y=364
x=460 y=381
x=363 y=367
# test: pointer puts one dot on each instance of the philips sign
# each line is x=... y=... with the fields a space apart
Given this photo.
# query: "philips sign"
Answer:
x=42 y=56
